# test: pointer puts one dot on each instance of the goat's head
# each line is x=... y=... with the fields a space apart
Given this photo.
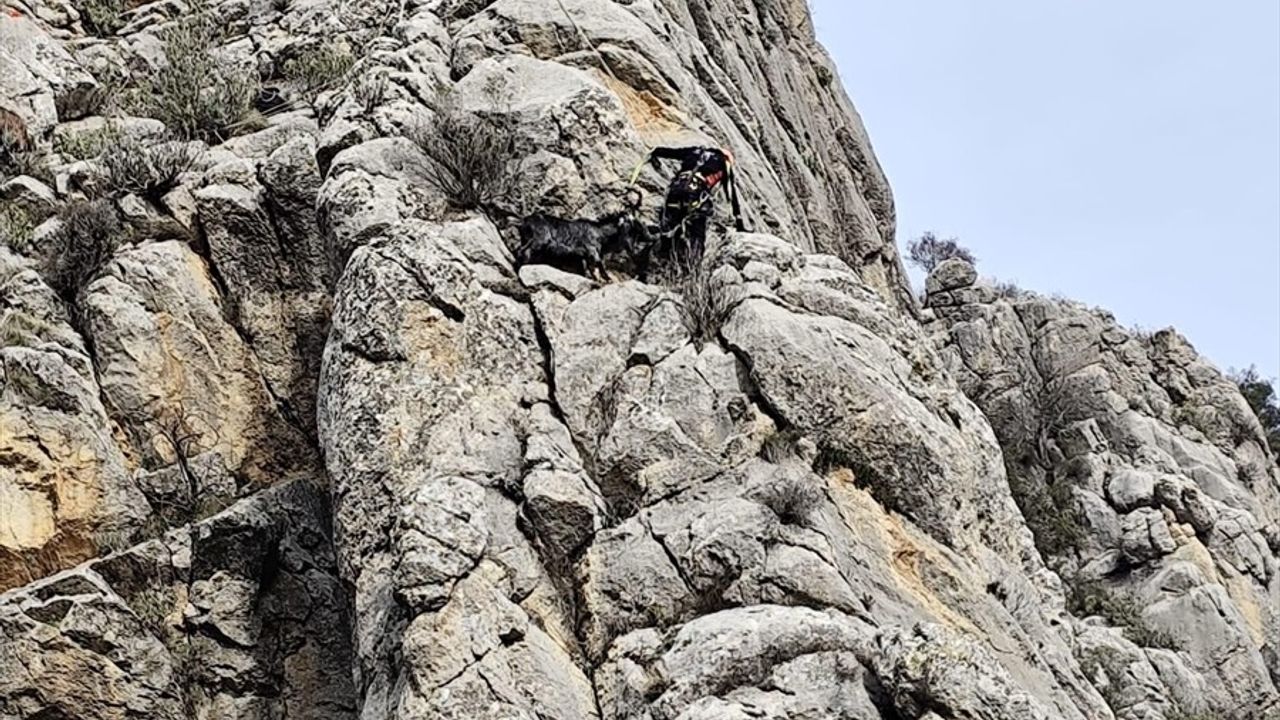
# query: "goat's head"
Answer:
x=620 y=232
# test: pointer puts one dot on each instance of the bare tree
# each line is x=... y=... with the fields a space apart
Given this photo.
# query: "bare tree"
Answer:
x=927 y=252
x=185 y=434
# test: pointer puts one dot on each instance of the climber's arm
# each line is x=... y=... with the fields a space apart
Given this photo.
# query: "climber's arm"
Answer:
x=668 y=153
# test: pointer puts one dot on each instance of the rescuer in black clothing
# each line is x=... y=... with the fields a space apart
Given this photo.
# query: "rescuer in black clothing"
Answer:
x=682 y=223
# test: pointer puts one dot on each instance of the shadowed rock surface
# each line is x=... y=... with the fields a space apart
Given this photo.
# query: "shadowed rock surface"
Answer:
x=306 y=442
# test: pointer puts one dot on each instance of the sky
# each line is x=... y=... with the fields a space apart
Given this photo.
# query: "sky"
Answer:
x=1122 y=153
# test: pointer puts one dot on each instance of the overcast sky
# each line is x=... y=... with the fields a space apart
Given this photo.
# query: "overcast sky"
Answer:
x=1126 y=154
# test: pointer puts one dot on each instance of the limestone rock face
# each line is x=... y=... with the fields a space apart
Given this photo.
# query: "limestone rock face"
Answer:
x=1167 y=475
x=230 y=617
x=64 y=482
x=304 y=442
x=40 y=82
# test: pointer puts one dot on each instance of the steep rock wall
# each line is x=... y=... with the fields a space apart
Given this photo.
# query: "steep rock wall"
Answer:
x=557 y=498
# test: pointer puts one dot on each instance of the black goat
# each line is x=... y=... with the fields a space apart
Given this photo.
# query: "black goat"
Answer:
x=580 y=244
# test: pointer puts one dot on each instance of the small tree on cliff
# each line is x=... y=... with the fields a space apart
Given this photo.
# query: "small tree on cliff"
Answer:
x=1261 y=396
x=928 y=252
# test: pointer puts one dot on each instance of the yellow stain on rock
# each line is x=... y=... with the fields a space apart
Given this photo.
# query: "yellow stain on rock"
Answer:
x=49 y=499
x=651 y=117
x=433 y=340
x=1241 y=591
x=906 y=556
x=26 y=518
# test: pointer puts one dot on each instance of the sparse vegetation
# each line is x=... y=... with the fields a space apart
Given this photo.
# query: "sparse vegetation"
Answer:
x=16 y=228
x=88 y=237
x=1090 y=597
x=20 y=329
x=320 y=67
x=153 y=606
x=83 y=146
x=466 y=153
x=179 y=436
x=1048 y=504
x=1007 y=289
x=793 y=499
x=780 y=446
x=101 y=18
x=149 y=171
x=927 y=252
x=1260 y=393
x=707 y=303
x=17 y=155
x=370 y=91
x=1180 y=714
x=1042 y=490
x=200 y=95
x=1110 y=664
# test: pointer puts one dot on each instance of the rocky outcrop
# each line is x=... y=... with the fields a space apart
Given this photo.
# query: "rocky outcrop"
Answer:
x=309 y=444
x=1170 y=490
x=65 y=481
x=577 y=476
x=240 y=615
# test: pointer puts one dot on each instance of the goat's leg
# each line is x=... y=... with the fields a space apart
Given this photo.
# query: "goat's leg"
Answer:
x=597 y=265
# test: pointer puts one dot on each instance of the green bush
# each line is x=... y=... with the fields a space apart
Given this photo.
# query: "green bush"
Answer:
x=101 y=18
x=780 y=446
x=792 y=499
x=1110 y=664
x=1049 y=506
x=18 y=156
x=16 y=227
x=467 y=154
x=1090 y=597
x=198 y=95
x=87 y=145
x=706 y=304
x=320 y=67
x=149 y=171
x=1260 y=393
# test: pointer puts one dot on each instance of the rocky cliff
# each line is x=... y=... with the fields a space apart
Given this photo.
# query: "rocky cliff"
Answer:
x=286 y=432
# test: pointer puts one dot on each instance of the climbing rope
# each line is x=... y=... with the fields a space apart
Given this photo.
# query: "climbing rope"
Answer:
x=587 y=40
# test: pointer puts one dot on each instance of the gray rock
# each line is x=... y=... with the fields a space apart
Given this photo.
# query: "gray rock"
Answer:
x=805 y=176
x=554 y=498
x=1130 y=489
x=1147 y=422
x=32 y=196
x=931 y=667
x=39 y=80
x=62 y=501
x=953 y=274
x=883 y=421
x=265 y=625
x=1146 y=535
x=140 y=129
x=218 y=403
